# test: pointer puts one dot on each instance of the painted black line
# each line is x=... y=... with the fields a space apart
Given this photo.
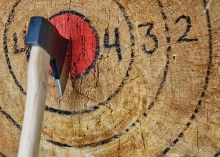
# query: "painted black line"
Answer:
x=10 y=18
x=167 y=56
x=217 y=154
x=202 y=95
x=161 y=10
x=90 y=144
x=66 y=112
x=10 y=118
x=2 y=155
x=59 y=144
x=115 y=136
x=104 y=141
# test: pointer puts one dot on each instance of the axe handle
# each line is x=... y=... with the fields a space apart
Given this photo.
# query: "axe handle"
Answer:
x=35 y=102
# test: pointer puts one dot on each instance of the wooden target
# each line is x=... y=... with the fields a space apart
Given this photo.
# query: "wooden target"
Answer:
x=144 y=78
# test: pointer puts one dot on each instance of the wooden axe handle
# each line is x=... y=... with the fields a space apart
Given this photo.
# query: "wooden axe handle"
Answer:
x=35 y=102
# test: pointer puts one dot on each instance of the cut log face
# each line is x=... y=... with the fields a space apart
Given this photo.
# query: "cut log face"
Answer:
x=144 y=78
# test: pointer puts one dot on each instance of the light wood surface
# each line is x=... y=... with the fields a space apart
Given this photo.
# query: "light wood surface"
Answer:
x=162 y=104
x=35 y=102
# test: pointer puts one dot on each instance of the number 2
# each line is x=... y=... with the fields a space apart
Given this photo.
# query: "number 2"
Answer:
x=183 y=38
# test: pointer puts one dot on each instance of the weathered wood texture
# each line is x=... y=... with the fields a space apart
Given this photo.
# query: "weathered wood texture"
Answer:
x=153 y=89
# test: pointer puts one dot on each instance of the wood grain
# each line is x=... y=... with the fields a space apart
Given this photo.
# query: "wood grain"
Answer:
x=160 y=99
x=35 y=102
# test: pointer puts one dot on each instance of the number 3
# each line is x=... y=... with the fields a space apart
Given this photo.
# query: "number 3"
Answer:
x=148 y=34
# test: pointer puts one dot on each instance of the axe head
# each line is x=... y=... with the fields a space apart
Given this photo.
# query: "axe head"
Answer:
x=44 y=34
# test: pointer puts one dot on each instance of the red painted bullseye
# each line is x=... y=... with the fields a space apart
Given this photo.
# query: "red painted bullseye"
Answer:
x=84 y=40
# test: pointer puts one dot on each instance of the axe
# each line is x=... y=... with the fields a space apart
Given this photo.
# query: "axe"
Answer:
x=48 y=46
